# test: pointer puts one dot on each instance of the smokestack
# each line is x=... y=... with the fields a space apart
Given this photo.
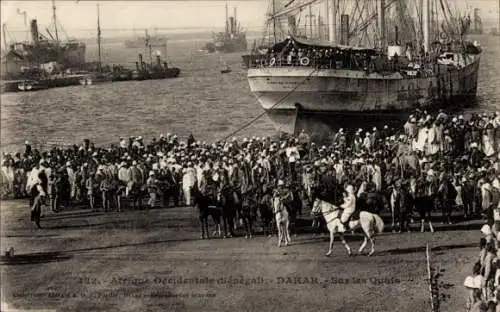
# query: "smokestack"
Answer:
x=34 y=31
x=158 y=61
x=165 y=65
x=137 y=66
x=231 y=25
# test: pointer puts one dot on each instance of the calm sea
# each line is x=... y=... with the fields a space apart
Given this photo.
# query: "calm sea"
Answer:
x=201 y=101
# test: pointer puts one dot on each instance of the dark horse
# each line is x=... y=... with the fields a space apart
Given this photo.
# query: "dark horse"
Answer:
x=446 y=196
x=401 y=206
x=294 y=206
x=207 y=206
x=248 y=210
x=265 y=210
x=424 y=202
x=373 y=202
x=230 y=203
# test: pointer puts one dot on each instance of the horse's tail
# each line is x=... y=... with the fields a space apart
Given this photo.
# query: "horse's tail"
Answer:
x=379 y=224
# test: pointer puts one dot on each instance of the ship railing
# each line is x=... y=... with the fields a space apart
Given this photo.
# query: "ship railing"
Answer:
x=267 y=61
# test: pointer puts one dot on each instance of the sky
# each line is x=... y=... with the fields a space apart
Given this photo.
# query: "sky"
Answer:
x=78 y=18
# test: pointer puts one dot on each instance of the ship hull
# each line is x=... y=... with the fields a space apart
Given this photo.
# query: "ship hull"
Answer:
x=303 y=97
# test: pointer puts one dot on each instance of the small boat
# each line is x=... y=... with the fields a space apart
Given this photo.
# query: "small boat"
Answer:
x=225 y=70
x=31 y=85
x=96 y=78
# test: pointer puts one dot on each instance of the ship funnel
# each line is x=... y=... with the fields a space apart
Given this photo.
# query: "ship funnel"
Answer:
x=231 y=25
x=34 y=31
x=158 y=61
x=165 y=65
x=140 y=59
x=137 y=66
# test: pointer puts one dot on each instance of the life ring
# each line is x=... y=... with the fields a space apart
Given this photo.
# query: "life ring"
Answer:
x=443 y=36
x=304 y=61
x=272 y=62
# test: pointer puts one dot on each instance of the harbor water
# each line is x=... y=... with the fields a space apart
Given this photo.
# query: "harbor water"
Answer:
x=202 y=101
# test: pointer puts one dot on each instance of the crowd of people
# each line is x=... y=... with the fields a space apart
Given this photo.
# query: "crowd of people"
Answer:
x=448 y=163
x=483 y=285
x=447 y=159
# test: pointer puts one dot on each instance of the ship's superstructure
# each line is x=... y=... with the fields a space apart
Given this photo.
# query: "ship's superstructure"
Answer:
x=47 y=52
x=233 y=39
x=366 y=59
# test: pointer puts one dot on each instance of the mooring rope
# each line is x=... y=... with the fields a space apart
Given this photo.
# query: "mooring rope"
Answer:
x=274 y=105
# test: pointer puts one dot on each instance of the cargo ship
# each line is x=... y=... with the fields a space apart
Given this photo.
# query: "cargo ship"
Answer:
x=233 y=39
x=20 y=58
x=322 y=79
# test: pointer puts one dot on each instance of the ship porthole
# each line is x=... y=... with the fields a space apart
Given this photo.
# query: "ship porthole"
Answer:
x=272 y=62
x=304 y=61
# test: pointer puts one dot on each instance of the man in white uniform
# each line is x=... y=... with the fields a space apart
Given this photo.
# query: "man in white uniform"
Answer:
x=349 y=206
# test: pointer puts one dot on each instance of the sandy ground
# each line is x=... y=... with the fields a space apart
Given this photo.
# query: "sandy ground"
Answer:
x=154 y=261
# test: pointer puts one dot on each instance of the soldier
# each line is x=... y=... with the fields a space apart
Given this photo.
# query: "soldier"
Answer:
x=349 y=206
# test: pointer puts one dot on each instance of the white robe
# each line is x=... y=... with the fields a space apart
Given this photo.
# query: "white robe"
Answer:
x=488 y=144
x=349 y=206
x=377 y=177
x=421 y=140
x=188 y=181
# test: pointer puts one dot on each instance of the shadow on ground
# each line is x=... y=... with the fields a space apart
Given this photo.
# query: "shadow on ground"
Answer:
x=34 y=258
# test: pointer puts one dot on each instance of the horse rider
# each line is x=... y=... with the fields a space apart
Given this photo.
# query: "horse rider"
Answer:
x=284 y=193
x=349 y=206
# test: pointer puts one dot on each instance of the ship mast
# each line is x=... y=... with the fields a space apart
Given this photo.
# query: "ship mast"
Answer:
x=99 y=39
x=332 y=22
x=381 y=23
x=498 y=26
x=54 y=19
x=274 y=23
x=148 y=44
x=4 y=34
x=227 y=26
x=425 y=21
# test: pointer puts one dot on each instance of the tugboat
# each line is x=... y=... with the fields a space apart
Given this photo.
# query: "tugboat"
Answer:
x=158 y=70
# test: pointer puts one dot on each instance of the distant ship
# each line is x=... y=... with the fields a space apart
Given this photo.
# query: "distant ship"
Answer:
x=233 y=39
x=41 y=52
x=496 y=31
x=323 y=78
x=477 y=24
x=139 y=42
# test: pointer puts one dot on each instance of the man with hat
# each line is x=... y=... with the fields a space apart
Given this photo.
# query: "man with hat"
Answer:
x=349 y=206
x=152 y=186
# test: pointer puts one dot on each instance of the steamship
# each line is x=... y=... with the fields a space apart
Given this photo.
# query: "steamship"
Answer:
x=370 y=81
x=233 y=39
x=50 y=53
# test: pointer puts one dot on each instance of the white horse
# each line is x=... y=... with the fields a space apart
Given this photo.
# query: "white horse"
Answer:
x=282 y=221
x=370 y=223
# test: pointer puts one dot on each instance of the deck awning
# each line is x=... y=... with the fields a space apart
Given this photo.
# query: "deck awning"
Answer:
x=301 y=43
